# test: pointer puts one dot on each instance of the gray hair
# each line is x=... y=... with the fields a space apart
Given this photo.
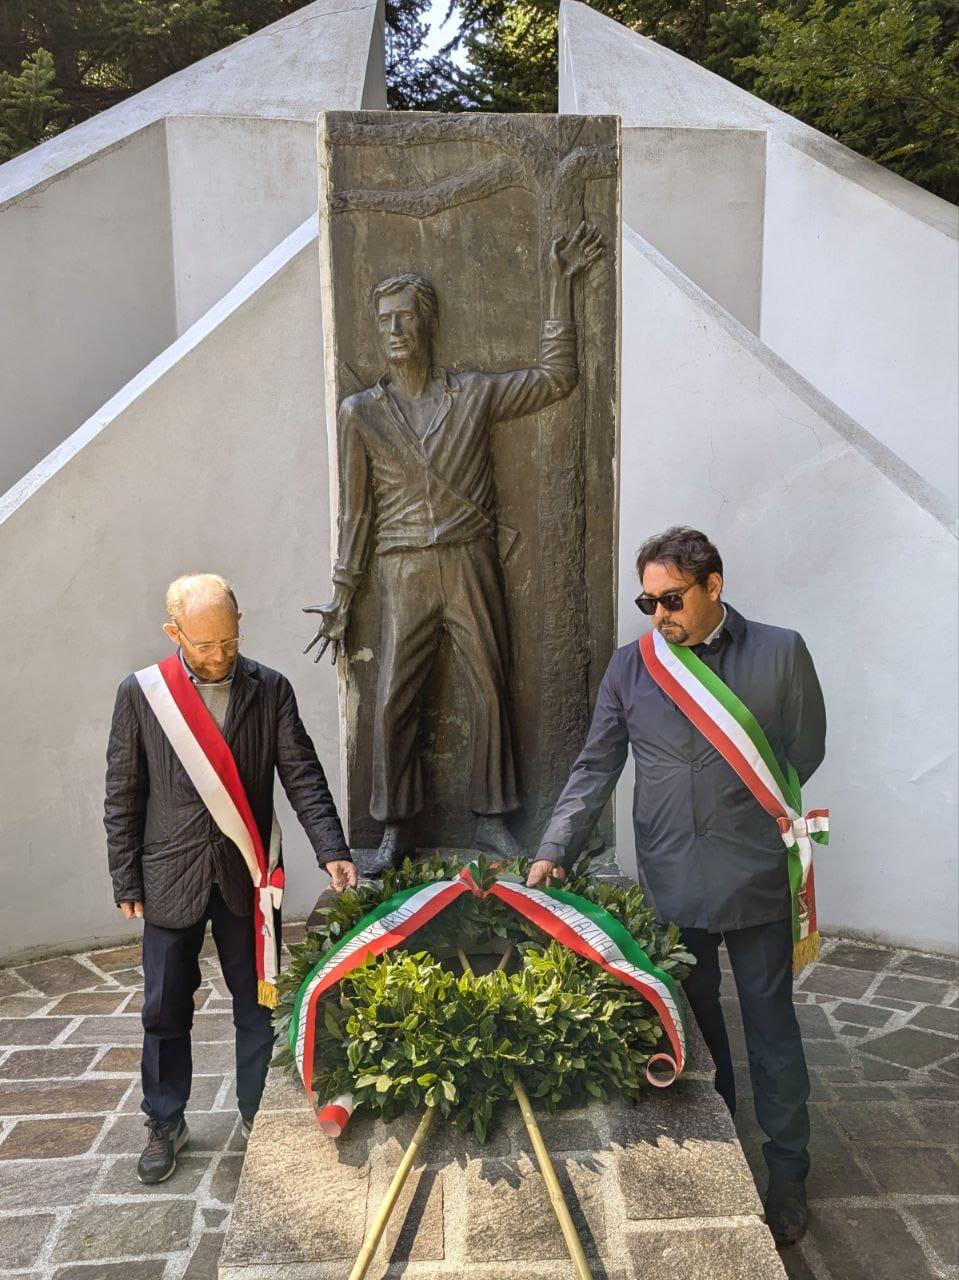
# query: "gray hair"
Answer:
x=423 y=291
x=197 y=588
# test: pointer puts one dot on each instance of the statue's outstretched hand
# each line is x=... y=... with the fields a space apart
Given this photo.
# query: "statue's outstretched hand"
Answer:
x=332 y=629
x=573 y=254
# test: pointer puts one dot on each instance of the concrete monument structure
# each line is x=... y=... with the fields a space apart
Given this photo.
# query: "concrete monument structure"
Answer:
x=473 y=241
x=788 y=384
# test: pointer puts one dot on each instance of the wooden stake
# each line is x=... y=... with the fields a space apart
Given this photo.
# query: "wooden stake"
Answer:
x=373 y=1236
x=546 y=1167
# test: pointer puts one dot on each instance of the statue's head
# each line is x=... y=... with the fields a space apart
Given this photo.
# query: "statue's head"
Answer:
x=407 y=315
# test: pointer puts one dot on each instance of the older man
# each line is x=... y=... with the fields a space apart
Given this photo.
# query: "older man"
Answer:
x=192 y=837
x=725 y=719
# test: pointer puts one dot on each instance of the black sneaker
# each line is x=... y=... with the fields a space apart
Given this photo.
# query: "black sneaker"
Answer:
x=158 y=1160
x=787 y=1214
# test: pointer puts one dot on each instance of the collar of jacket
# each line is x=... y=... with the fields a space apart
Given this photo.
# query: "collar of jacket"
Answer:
x=735 y=622
x=452 y=385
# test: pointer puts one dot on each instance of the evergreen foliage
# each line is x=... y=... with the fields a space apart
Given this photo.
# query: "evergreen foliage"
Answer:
x=409 y=1029
x=30 y=104
x=877 y=75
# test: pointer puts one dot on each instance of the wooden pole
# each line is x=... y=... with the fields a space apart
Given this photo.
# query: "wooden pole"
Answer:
x=546 y=1167
x=362 y=1264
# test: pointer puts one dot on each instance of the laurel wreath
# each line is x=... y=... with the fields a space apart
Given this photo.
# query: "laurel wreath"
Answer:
x=412 y=1030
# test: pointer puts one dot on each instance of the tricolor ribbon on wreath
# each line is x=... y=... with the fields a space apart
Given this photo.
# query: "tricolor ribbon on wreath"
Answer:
x=203 y=751
x=731 y=728
x=571 y=920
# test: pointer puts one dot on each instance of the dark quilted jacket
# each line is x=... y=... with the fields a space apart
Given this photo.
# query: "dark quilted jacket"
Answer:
x=164 y=848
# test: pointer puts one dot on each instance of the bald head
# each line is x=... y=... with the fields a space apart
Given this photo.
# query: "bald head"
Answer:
x=193 y=591
x=204 y=622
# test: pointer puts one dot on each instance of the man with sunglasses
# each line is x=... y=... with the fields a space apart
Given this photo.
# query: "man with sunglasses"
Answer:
x=192 y=837
x=709 y=856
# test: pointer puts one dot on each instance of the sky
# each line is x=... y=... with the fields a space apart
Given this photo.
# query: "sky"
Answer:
x=440 y=32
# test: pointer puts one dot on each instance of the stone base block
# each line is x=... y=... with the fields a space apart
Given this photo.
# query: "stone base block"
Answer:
x=656 y=1186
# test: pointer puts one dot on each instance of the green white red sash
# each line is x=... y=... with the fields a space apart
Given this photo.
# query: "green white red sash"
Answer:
x=580 y=925
x=729 y=726
x=202 y=750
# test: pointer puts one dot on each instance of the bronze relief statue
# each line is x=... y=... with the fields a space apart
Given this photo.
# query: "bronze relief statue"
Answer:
x=417 y=491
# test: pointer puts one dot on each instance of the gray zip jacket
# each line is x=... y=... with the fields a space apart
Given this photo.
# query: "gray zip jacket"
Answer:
x=709 y=857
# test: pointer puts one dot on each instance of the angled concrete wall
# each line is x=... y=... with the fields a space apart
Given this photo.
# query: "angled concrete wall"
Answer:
x=238 y=186
x=858 y=266
x=860 y=295
x=215 y=456
x=698 y=196
x=816 y=526
x=116 y=235
x=87 y=266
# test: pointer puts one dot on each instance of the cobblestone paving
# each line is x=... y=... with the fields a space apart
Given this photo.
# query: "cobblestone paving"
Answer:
x=882 y=1037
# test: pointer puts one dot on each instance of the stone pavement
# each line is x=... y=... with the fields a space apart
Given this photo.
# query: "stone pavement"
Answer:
x=882 y=1036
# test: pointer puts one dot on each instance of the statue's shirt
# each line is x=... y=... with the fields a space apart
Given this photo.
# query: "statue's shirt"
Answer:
x=435 y=487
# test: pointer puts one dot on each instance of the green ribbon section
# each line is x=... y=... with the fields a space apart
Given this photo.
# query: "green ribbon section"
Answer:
x=371 y=917
x=788 y=783
x=623 y=939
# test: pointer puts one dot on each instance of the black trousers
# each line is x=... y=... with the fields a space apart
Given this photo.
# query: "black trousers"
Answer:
x=171 y=970
x=761 y=959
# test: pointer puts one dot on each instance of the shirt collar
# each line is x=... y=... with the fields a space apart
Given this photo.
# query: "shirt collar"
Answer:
x=717 y=630
x=211 y=683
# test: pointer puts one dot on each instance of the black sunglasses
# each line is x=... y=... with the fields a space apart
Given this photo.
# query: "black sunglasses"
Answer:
x=672 y=601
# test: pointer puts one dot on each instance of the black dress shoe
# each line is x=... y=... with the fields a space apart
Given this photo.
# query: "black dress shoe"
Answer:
x=158 y=1160
x=787 y=1214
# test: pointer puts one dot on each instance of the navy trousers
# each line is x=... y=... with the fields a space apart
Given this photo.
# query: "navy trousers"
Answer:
x=171 y=970
x=761 y=959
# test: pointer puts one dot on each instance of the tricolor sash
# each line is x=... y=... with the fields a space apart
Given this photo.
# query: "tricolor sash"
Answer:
x=202 y=750
x=729 y=726
x=580 y=925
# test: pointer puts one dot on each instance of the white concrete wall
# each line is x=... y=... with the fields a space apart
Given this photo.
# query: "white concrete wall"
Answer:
x=214 y=457
x=817 y=526
x=328 y=55
x=95 y=224
x=697 y=195
x=86 y=293
x=859 y=267
x=861 y=297
x=238 y=186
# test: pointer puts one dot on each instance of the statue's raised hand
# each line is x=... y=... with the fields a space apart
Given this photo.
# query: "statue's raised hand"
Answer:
x=571 y=255
x=333 y=620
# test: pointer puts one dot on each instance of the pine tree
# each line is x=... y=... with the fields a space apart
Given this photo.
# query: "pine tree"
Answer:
x=29 y=104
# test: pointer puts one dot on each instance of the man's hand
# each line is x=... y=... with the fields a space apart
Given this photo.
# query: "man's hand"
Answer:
x=342 y=875
x=571 y=255
x=131 y=910
x=334 y=617
x=542 y=872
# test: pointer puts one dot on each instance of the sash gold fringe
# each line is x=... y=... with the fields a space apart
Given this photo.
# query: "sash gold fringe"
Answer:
x=805 y=952
x=267 y=994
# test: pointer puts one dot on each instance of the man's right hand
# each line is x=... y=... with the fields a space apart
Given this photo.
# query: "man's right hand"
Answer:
x=132 y=910
x=542 y=872
x=332 y=629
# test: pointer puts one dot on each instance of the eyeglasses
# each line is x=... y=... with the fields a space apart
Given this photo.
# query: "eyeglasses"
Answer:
x=672 y=601
x=208 y=646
